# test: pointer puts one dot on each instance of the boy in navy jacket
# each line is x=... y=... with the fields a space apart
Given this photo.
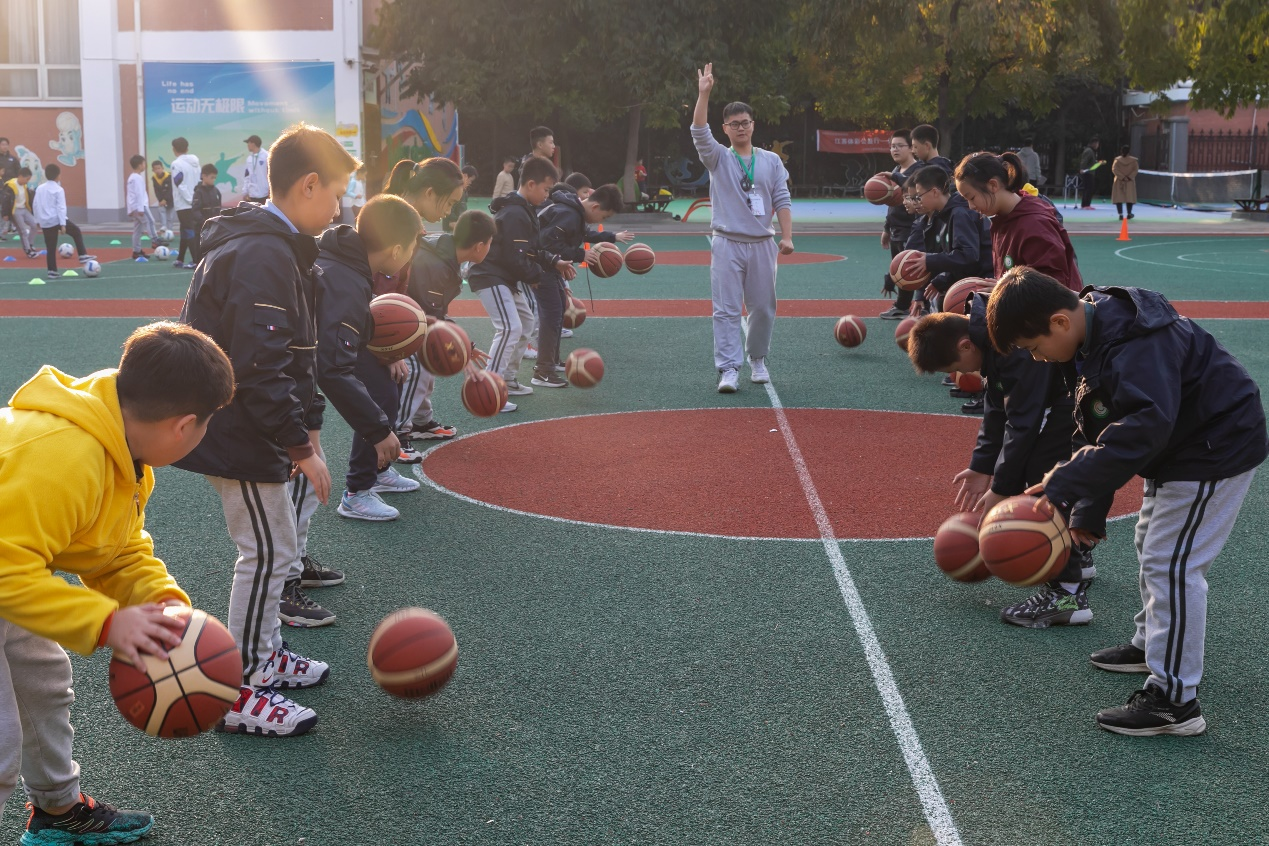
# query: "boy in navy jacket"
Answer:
x=1156 y=396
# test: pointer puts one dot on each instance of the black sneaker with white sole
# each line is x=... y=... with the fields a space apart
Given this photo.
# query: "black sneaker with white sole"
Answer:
x=547 y=380
x=1150 y=713
x=315 y=575
x=1120 y=659
x=1052 y=606
x=297 y=609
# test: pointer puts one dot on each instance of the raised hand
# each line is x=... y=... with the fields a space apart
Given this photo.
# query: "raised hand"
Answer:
x=705 y=78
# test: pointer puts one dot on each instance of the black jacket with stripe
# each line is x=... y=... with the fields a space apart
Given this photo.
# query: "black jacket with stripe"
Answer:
x=956 y=241
x=254 y=294
x=435 y=274
x=344 y=327
x=515 y=256
x=563 y=225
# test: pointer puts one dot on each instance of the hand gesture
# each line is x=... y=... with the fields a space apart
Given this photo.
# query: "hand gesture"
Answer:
x=973 y=486
x=885 y=239
x=705 y=78
x=566 y=269
x=143 y=630
x=387 y=450
x=399 y=371
x=625 y=237
x=477 y=356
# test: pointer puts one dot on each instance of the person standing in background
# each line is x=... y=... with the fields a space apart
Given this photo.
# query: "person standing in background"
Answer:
x=506 y=181
x=354 y=198
x=1031 y=161
x=1088 y=161
x=256 y=176
x=1124 y=190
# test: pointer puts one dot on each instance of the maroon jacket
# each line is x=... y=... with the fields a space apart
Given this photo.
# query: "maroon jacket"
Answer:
x=1031 y=235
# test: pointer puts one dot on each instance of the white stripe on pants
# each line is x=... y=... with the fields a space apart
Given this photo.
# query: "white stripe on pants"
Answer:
x=742 y=273
x=1181 y=529
x=414 y=400
x=35 y=728
x=261 y=520
x=305 y=503
x=513 y=323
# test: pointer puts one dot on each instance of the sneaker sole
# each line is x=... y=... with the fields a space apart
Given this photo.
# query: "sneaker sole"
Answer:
x=286 y=685
x=542 y=384
x=380 y=489
x=307 y=622
x=300 y=728
x=321 y=583
x=1189 y=728
x=1076 y=618
x=1120 y=668
x=758 y=381
x=520 y=393
x=727 y=389
x=352 y=515
x=418 y=460
x=429 y=436
x=101 y=839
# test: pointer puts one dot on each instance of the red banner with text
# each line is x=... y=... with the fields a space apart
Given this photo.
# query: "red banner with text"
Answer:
x=863 y=141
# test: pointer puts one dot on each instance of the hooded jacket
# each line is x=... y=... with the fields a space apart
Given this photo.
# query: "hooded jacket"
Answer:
x=563 y=225
x=956 y=242
x=435 y=274
x=1031 y=235
x=344 y=327
x=254 y=294
x=1156 y=396
x=898 y=219
x=515 y=255
x=90 y=523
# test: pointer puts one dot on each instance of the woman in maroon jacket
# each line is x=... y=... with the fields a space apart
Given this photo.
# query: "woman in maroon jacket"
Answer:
x=1024 y=229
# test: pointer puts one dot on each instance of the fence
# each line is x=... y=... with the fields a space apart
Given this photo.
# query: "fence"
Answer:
x=1214 y=151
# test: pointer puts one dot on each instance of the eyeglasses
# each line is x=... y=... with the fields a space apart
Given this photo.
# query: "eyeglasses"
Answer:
x=916 y=198
x=739 y=124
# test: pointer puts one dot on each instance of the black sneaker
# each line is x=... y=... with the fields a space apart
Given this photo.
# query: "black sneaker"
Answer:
x=893 y=313
x=90 y=823
x=957 y=393
x=431 y=431
x=547 y=380
x=973 y=406
x=297 y=609
x=1149 y=713
x=1120 y=659
x=1052 y=606
x=315 y=575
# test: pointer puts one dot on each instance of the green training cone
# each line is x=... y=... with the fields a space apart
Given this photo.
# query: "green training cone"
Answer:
x=116 y=242
x=36 y=281
x=69 y=273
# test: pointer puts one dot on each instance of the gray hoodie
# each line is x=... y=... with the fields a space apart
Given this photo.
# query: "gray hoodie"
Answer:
x=732 y=217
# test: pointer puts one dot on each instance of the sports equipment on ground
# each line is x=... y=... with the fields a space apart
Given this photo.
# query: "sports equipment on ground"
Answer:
x=881 y=189
x=167 y=234
x=850 y=331
x=190 y=691
x=1149 y=713
x=412 y=653
x=1052 y=605
x=484 y=393
x=969 y=382
x=574 y=313
x=640 y=258
x=604 y=260
x=162 y=252
x=446 y=348
x=92 y=268
x=958 y=295
x=956 y=548
x=65 y=250
x=584 y=368
x=902 y=330
x=400 y=327
x=905 y=274
x=1023 y=543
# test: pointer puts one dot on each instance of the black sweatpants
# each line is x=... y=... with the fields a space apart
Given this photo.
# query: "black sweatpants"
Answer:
x=552 y=299
x=50 y=243
x=363 y=461
x=903 y=300
x=189 y=234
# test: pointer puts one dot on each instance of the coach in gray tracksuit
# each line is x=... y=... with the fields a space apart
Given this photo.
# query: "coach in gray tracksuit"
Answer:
x=746 y=186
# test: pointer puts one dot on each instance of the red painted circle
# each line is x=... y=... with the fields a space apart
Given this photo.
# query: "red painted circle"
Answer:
x=700 y=258
x=724 y=471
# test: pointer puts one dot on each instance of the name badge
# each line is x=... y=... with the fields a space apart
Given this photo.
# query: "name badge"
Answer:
x=756 y=204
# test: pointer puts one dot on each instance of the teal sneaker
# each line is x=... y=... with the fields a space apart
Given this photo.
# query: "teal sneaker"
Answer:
x=89 y=823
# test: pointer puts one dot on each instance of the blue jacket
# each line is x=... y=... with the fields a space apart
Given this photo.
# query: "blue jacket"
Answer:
x=956 y=242
x=563 y=225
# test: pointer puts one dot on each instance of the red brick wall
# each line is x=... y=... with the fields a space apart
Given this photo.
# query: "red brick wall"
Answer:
x=240 y=15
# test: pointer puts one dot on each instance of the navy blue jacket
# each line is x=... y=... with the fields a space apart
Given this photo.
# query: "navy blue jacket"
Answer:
x=563 y=225
x=956 y=242
x=1156 y=396
x=515 y=255
x=435 y=274
x=898 y=219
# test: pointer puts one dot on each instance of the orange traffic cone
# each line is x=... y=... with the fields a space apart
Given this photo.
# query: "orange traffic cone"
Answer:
x=1123 y=230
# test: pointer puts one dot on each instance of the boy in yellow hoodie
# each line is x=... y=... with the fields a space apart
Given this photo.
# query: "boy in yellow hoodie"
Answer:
x=112 y=426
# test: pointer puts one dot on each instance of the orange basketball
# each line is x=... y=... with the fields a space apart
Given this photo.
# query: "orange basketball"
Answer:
x=850 y=331
x=902 y=331
x=956 y=300
x=189 y=692
x=584 y=368
x=446 y=349
x=881 y=189
x=574 y=313
x=956 y=548
x=904 y=272
x=604 y=260
x=400 y=327
x=412 y=653
x=1022 y=544
x=969 y=382
x=484 y=393
x=640 y=258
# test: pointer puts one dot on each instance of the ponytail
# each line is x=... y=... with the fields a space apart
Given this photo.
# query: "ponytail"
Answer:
x=979 y=168
x=409 y=179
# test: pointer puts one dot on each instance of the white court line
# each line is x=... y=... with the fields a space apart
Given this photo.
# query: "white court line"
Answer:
x=1120 y=252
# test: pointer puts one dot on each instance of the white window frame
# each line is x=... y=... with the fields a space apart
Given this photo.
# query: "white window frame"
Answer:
x=43 y=67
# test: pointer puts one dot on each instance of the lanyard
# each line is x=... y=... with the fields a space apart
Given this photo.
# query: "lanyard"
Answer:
x=748 y=170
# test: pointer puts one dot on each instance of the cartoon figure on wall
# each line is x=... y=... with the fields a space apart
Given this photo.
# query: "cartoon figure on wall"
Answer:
x=70 y=136
x=227 y=177
x=28 y=158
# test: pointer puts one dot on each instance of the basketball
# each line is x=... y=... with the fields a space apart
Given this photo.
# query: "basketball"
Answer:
x=850 y=331
x=903 y=272
x=970 y=382
x=902 y=331
x=604 y=260
x=189 y=692
x=484 y=393
x=92 y=268
x=640 y=258
x=956 y=548
x=584 y=368
x=574 y=313
x=445 y=349
x=65 y=250
x=400 y=327
x=162 y=253
x=956 y=300
x=412 y=653
x=881 y=189
x=1021 y=544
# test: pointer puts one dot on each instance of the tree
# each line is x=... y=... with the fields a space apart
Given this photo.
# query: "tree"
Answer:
x=591 y=61
x=1222 y=46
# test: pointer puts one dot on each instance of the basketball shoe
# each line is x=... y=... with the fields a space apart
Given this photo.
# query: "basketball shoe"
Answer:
x=1052 y=606
x=293 y=671
x=1149 y=713
x=265 y=712
x=89 y=822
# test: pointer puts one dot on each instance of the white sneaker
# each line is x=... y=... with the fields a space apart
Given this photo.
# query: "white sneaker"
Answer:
x=729 y=382
x=759 y=374
x=515 y=389
x=365 y=505
x=566 y=333
x=265 y=712
x=390 y=481
x=292 y=670
x=531 y=352
x=508 y=408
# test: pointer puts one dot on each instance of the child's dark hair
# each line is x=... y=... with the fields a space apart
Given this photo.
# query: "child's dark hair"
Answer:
x=538 y=134
x=609 y=198
x=158 y=162
x=931 y=176
x=170 y=370
x=387 y=220
x=509 y=159
x=905 y=134
x=411 y=179
x=180 y=146
x=26 y=171
x=538 y=169
x=303 y=149
x=209 y=170
x=52 y=172
x=577 y=181
x=926 y=134
x=1021 y=304
x=470 y=171
x=136 y=161
x=473 y=227
x=737 y=108
x=932 y=343
x=979 y=168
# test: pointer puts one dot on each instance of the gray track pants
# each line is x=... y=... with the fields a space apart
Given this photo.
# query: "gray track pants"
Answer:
x=742 y=274
x=305 y=503
x=513 y=322
x=415 y=399
x=1181 y=530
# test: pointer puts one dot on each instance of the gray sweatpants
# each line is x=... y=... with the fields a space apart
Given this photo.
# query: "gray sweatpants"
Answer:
x=24 y=222
x=742 y=273
x=513 y=323
x=1181 y=530
x=305 y=503
x=414 y=403
x=35 y=728
x=261 y=521
x=142 y=224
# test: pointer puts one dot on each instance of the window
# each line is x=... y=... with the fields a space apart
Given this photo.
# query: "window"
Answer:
x=39 y=49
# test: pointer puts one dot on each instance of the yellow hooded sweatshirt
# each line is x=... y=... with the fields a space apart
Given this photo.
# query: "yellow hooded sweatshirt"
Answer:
x=73 y=499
